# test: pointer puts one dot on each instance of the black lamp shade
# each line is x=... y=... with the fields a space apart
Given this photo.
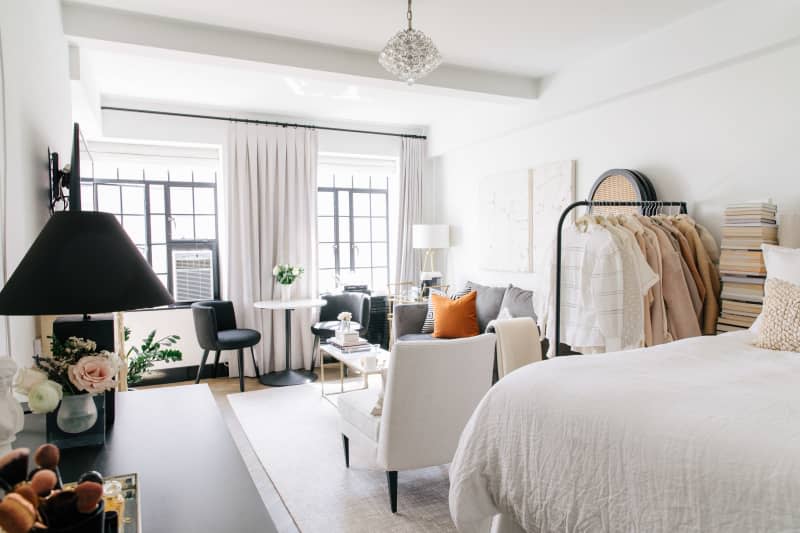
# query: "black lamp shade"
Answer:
x=82 y=262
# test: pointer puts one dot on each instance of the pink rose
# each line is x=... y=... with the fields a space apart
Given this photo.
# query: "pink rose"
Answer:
x=93 y=374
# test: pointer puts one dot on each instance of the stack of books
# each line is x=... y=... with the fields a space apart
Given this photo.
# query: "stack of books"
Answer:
x=747 y=226
x=349 y=344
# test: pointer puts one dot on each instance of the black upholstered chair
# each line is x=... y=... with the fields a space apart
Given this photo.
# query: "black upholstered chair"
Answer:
x=215 y=324
x=357 y=303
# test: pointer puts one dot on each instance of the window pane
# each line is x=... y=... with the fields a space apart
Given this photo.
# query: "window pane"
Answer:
x=157 y=199
x=344 y=203
x=133 y=200
x=183 y=227
x=134 y=225
x=363 y=252
x=205 y=227
x=344 y=229
x=103 y=170
x=360 y=276
x=325 y=203
x=326 y=258
x=180 y=201
x=205 y=175
x=361 y=229
x=163 y=279
x=159 y=264
x=156 y=172
x=325 y=229
x=379 y=182
x=361 y=181
x=343 y=180
x=379 y=230
x=327 y=280
x=380 y=278
x=344 y=256
x=158 y=229
x=378 y=205
x=130 y=171
x=380 y=255
x=87 y=197
x=108 y=198
x=324 y=179
x=204 y=201
x=180 y=173
x=360 y=205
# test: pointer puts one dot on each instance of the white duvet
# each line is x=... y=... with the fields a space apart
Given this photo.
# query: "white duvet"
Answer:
x=697 y=435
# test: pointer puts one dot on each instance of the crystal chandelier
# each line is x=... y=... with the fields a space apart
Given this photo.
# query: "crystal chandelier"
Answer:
x=410 y=54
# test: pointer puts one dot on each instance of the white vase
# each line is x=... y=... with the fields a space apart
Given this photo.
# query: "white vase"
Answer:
x=77 y=413
x=286 y=292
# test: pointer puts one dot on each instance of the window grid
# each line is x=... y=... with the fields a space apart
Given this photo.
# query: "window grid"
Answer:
x=171 y=243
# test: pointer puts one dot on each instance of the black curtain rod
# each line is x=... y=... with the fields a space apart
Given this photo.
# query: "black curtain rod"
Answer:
x=253 y=121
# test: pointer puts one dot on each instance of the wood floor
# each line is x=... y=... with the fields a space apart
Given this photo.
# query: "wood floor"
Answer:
x=220 y=388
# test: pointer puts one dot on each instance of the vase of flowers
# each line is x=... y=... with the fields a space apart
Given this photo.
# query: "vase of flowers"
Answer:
x=286 y=275
x=344 y=320
x=70 y=381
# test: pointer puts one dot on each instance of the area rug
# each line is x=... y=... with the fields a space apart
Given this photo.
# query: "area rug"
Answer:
x=295 y=434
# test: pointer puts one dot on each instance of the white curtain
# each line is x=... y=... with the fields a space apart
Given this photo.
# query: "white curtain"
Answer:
x=412 y=159
x=271 y=205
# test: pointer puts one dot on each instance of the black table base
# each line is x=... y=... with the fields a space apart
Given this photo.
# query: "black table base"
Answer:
x=286 y=378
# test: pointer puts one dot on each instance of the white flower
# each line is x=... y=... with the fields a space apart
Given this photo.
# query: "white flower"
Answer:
x=296 y=271
x=27 y=378
x=345 y=315
x=276 y=270
x=45 y=396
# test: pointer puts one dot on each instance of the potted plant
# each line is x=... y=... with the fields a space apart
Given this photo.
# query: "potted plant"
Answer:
x=142 y=358
x=286 y=275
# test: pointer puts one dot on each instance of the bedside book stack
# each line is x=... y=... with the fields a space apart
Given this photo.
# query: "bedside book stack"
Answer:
x=747 y=226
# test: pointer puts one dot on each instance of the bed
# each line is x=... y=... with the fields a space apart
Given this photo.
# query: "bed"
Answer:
x=697 y=435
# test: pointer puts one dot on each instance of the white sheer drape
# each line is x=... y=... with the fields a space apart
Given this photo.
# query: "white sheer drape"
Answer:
x=271 y=205
x=412 y=160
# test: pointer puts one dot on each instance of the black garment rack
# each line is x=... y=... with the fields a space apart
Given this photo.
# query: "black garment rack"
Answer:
x=647 y=204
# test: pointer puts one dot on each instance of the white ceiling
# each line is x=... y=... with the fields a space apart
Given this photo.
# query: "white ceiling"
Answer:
x=530 y=37
x=187 y=80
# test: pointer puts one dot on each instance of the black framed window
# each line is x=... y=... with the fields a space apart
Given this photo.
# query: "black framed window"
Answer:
x=353 y=226
x=170 y=212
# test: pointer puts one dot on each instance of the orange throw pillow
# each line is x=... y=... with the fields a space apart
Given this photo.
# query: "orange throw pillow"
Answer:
x=454 y=319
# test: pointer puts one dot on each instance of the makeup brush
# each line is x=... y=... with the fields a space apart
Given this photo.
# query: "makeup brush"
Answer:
x=43 y=482
x=70 y=507
x=17 y=515
x=14 y=467
x=48 y=456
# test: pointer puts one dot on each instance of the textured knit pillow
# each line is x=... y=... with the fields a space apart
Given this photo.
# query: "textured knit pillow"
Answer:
x=455 y=319
x=780 y=325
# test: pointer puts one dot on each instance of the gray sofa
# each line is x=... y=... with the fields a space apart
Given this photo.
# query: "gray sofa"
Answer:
x=408 y=318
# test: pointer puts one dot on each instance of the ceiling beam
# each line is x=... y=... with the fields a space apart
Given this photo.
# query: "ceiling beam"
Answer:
x=85 y=21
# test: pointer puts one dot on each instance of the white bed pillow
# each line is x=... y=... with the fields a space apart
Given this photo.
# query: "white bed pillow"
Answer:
x=782 y=263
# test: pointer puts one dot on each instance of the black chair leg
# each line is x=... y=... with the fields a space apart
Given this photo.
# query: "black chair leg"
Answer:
x=216 y=363
x=255 y=366
x=391 y=478
x=346 y=446
x=315 y=353
x=241 y=369
x=200 y=368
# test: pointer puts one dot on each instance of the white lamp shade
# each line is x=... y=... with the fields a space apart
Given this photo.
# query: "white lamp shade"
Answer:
x=425 y=236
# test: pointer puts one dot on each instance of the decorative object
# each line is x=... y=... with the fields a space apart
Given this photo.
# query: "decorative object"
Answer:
x=430 y=237
x=77 y=413
x=286 y=275
x=11 y=414
x=410 y=55
x=62 y=273
x=37 y=502
x=344 y=319
x=142 y=358
x=505 y=223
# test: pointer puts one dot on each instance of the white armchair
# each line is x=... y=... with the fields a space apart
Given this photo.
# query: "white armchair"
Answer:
x=432 y=388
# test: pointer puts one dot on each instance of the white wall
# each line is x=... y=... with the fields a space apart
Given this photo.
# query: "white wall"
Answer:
x=706 y=127
x=37 y=104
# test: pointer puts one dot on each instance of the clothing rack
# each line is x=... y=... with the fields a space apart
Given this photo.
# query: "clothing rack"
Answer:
x=648 y=204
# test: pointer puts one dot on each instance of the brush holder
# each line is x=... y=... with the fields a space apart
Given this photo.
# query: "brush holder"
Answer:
x=92 y=523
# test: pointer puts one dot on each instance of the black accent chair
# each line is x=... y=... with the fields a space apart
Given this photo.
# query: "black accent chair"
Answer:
x=215 y=324
x=357 y=303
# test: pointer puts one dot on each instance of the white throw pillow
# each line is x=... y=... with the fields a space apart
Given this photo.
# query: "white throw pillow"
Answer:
x=782 y=263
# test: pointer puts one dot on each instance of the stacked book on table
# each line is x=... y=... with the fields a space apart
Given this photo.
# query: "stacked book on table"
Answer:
x=349 y=342
x=747 y=226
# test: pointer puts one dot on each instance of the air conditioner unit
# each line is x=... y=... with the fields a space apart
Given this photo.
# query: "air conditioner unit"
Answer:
x=193 y=278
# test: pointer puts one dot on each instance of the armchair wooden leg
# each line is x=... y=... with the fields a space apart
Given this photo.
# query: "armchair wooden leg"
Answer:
x=346 y=447
x=200 y=368
x=391 y=478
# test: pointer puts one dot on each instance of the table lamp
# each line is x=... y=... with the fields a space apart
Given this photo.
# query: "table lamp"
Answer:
x=430 y=237
x=82 y=263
